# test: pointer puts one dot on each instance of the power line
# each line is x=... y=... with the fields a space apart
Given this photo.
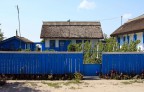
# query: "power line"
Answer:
x=109 y=19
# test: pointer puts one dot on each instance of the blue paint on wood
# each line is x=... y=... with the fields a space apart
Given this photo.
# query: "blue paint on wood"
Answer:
x=92 y=69
x=135 y=37
x=40 y=63
x=123 y=62
x=13 y=44
x=128 y=39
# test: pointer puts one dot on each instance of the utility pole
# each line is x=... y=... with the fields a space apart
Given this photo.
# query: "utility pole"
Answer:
x=19 y=24
x=18 y=20
x=121 y=19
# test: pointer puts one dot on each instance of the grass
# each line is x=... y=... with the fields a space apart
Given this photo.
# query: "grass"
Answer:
x=72 y=87
x=133 y=81
x=33 y=84
x=72 y=82
x=55 y=85
x=59 y=84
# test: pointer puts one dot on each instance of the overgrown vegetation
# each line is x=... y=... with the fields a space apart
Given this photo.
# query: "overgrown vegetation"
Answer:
x=132 y=81
x=1 y=35
x=2 y=80
x=78 y=76
x=93 y=55
x=60 y=84
x=122 y=76
x=55 y=85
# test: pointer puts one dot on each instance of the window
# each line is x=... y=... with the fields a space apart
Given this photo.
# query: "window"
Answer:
x=28 y=46
x=52 y=43
x=86 y=41
x=78 y=41
x=62 y=43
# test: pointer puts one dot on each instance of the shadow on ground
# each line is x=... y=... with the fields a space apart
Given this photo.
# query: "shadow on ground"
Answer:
x=17 y=87
x=91 y=78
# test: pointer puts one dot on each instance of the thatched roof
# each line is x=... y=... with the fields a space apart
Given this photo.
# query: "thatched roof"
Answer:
x=17 y=37
x=72 y=30
x=23 y=39
x=132 y=26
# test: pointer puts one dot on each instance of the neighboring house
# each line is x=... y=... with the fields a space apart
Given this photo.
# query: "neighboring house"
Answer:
x=58 y=35
x=131 y=31
x=15 y=43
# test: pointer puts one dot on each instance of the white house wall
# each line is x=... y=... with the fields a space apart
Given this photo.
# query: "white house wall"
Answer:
x=139 y=37
x=94 y=41
x=57 y=43
x=47 y=41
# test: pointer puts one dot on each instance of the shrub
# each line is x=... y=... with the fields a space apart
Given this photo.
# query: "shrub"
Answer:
x=2 y=82
x=78 y=76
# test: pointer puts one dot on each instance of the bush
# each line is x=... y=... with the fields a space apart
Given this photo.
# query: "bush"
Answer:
x=122 y=76
x=2 y=82
x=78 y=76
x=71 y=47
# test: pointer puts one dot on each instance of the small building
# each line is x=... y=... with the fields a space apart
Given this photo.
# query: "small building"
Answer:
x=58 y=35
x=132 y=30
x=16 y=43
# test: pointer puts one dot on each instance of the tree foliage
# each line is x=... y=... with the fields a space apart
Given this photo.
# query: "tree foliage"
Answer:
x=94 y=54
x=132 y=47
x=1 y=36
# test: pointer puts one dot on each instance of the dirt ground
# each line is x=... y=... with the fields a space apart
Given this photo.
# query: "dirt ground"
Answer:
x=74 y=86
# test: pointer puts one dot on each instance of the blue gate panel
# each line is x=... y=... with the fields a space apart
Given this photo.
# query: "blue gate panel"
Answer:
x=92 y=69
x=123 y=62
x=40 y=62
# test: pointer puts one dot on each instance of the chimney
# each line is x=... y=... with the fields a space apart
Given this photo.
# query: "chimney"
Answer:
x=16 y=33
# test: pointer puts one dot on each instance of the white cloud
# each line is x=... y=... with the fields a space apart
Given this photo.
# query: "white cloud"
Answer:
x=87 y=4
x=127 y=16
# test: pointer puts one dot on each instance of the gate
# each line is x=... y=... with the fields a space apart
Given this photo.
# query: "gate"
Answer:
x=92 y=69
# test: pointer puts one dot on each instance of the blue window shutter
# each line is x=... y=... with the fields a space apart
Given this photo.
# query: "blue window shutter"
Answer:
x=118 y=39
x=143 y=37
x=124 y=39
x=127 y=38
x=134 y=37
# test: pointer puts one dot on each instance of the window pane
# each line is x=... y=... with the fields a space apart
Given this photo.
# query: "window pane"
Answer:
x=78 y=41
x=52 y=43
x=86 y=41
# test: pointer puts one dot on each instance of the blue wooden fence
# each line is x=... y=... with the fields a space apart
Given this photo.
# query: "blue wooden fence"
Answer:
x=123 y=62
x=92 y=69
x=40 y=62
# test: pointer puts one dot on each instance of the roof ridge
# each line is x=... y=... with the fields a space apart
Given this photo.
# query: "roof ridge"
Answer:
x=71 y=23
x=136 y=18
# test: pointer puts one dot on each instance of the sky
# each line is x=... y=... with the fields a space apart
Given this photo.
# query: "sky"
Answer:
x=34 y=12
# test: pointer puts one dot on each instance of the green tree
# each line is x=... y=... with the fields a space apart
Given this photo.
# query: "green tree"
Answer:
x=93 y=55
x=42 y=40
x=1 y=35
x=110 y=45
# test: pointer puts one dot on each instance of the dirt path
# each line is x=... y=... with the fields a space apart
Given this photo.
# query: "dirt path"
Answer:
x=74 y=86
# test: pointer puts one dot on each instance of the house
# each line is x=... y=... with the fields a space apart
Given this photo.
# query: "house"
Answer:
x=58 y=35
x=132 y=30
x=15 y=43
